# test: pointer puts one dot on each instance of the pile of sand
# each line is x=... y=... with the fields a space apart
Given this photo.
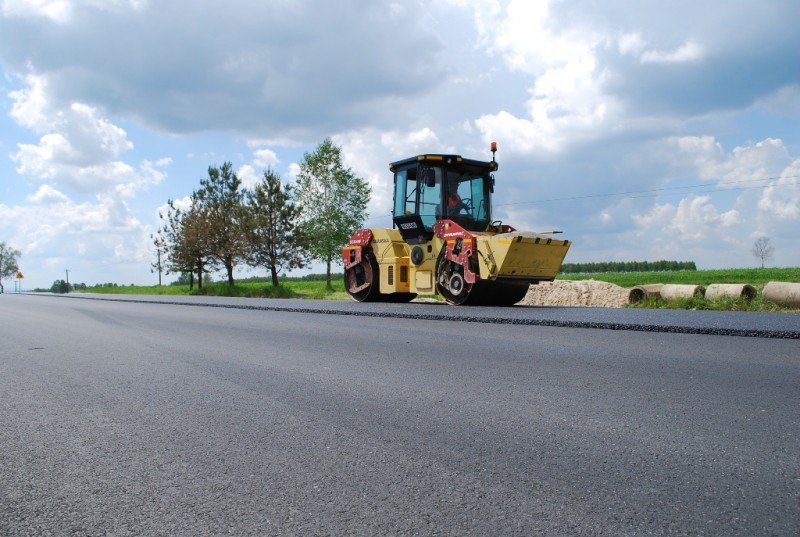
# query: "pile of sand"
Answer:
x=577 y=293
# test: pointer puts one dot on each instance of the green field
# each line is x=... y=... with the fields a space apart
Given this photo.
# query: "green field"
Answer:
x=250 y=288
x=755 y=277
x=314 y=288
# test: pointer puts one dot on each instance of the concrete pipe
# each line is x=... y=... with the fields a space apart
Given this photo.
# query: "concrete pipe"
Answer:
x=731 y=290
x=783 y=293
x=672 y=291
x=641 y=292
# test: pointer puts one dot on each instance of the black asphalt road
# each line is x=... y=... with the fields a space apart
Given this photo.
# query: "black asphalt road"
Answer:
x=136 y=418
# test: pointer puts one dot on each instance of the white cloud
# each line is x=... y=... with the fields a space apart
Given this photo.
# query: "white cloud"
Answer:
x=567 y=104
x=182 y=204
x=77 y=138
x=54 y=228
x=659 y=216
x=781 y=199
x=404 y=144
x=745 y=166
x=631 y=44
x=294 y=170
x=688 y=52
x=58 y=11
x=247 y=174
x=766 y=199
x=29 y=107
x=284 y=72
x=80 y=149
x=48 y=195
x=697 y=219
x=265 y=158
x=566 y=108
x=584 y=99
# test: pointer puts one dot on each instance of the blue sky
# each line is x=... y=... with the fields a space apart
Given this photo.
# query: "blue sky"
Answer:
x=644 y=131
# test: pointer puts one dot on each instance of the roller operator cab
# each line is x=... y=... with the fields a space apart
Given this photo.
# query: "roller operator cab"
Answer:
x=444 y=240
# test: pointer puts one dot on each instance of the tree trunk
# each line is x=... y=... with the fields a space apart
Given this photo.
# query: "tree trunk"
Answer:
x=328 y=277
x=274 y=276
x=191 y=280
x=229 y=269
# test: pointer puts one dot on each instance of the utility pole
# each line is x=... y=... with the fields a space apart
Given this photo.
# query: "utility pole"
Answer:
x=67 y=289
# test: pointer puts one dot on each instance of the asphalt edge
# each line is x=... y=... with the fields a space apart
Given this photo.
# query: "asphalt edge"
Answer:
x=672 y=329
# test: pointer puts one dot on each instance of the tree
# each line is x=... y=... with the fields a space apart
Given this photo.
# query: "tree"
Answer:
x=273 y=238
x=763 y=250
x=9 y=266
x=158 y=265
x=182 y=237
x=220 y=202
x=60 y=287
x=334 y=202
x=187 y=278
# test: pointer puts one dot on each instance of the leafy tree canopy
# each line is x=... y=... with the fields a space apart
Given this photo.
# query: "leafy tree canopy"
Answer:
x=334 y=201
x=273 y=238
x=9 y=265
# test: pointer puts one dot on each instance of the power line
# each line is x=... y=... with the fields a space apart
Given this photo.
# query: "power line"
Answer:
x=655 y=191
x=650 y=193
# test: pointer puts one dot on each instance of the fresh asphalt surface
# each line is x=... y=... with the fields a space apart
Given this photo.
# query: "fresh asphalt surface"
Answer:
x=272 y=417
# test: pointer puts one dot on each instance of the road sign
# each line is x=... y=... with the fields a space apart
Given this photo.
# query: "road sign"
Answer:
x=19 y=276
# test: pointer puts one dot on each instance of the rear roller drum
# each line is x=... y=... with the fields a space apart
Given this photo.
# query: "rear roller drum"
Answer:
x=452 y=286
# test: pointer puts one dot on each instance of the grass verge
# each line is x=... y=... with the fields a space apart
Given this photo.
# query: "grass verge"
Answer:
x=246 y=289
x=316 y=289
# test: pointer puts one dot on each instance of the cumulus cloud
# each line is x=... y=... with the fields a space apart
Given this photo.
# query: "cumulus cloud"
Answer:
x=47 y=194
x=404 y=144
x=696 y=219
x=54 y=228
x=764 y=200
x=781 y=199
x=80 y=149
x=588 y=102
x=565 y=104
x=265 y=158
x=248 y=175
x=29 y=107
x=283 y=69
x=749 y=165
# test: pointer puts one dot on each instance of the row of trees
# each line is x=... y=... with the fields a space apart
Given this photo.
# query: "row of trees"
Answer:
x=762 y=250
x=627 y=266
x=274 y=225
x=62 y=286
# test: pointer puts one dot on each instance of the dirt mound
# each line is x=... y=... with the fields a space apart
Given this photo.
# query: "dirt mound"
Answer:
x=576 y=293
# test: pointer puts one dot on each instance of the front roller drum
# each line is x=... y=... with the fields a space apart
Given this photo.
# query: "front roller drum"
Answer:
x=361 y=280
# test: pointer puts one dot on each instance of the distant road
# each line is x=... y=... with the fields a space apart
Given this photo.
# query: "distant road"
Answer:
x=259 y=418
